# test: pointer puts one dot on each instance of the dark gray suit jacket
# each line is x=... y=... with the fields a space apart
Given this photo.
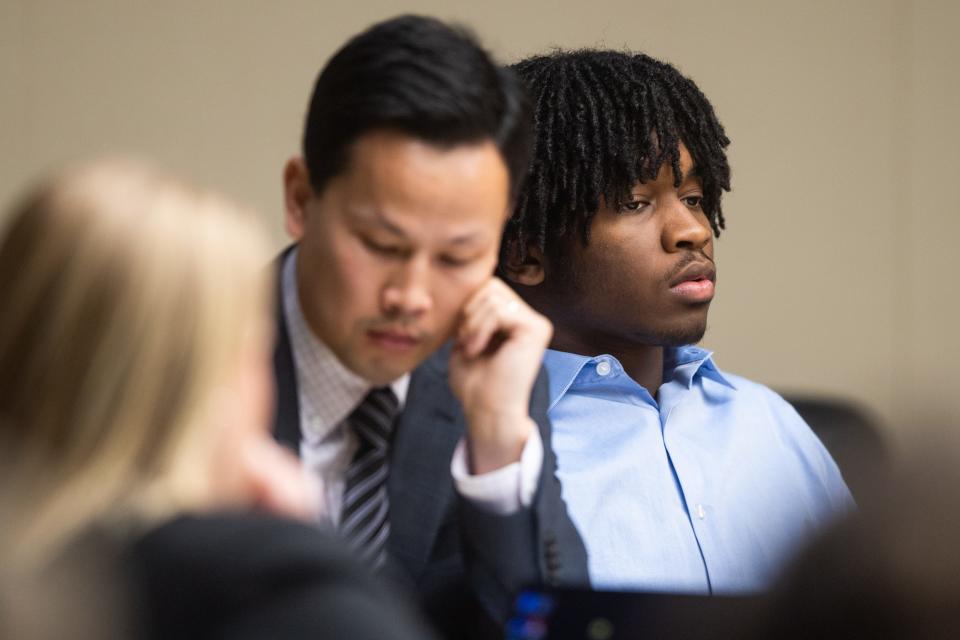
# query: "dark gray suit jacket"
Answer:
x=442 y=546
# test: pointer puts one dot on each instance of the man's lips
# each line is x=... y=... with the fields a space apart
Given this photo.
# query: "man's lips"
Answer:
x=394 y=339
x=695 y=282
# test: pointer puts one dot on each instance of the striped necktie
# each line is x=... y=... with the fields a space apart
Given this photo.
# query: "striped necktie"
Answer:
x=364 y=520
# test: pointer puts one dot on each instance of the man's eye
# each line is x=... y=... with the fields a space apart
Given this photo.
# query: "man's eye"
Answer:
x=381 y=249
x=694 y=202
x=633 y=205
x=452 y=261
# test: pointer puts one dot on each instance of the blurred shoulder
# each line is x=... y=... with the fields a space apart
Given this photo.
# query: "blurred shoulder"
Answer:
x=259 y=576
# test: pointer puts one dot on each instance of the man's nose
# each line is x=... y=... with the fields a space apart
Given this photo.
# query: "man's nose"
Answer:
x=685 y=229
x=407 y=291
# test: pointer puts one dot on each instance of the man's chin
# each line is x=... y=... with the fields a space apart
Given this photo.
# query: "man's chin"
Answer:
x=381 y=370
x=681 y=336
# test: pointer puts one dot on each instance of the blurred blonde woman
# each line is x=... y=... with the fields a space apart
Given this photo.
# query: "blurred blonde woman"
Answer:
x=135 y=394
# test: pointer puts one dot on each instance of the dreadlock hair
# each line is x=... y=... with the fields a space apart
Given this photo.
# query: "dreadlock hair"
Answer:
x=606 y=120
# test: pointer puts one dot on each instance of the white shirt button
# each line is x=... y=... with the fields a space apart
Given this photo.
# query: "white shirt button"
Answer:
x=603 y=368
x=701 y=512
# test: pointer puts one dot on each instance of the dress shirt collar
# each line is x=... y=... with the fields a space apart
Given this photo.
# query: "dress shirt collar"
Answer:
x=680 y=364
x=328 y=390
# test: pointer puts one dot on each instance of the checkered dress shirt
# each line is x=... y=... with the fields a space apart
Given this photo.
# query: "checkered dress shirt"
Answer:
x=328 y=392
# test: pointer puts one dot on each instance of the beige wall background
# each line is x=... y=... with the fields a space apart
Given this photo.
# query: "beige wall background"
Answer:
x=838 y=268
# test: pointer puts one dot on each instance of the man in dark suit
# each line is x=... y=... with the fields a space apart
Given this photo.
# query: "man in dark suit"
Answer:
x=409 y=378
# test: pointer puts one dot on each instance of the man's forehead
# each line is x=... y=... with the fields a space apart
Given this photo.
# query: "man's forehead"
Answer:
x=654 y=165
x=409 y=226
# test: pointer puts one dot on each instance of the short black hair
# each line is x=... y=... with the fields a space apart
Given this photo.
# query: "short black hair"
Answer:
x=604 y=121
x=425 y=79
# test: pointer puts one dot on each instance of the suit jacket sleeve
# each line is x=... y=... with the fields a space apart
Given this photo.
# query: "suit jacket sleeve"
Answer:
x=538 y=545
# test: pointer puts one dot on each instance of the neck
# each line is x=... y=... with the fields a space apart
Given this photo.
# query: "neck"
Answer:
x=643 y=363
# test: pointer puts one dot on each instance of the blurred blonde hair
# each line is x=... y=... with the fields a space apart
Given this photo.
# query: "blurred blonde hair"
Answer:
x=127 y=298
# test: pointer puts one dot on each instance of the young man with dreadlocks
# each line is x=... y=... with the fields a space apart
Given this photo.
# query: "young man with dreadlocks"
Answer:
x=679 y=477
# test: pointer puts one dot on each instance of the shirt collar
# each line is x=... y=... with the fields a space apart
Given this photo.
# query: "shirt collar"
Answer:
x=328 y=390
x=689 y=361
x=681 y=364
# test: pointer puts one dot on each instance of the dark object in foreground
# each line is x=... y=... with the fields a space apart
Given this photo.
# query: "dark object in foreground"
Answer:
x=852 y=435
x=574 y=614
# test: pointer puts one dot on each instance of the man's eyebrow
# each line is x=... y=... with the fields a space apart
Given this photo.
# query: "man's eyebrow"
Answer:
x=465 y=238
x=378 y=218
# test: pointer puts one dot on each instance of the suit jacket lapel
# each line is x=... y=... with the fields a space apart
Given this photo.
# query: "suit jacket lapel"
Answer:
x=286 y=422
x=420 y=486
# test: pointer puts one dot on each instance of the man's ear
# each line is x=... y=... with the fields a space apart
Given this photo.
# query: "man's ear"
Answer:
x=528 y=270
x=297 y=192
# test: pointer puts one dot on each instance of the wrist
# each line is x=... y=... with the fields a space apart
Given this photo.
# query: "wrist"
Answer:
x=496 y=439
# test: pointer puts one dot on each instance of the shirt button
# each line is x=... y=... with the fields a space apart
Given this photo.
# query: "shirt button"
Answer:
x=701 y=512
x=603 y=368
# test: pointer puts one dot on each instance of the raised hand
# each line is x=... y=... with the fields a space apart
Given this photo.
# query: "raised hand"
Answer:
x=497 y=355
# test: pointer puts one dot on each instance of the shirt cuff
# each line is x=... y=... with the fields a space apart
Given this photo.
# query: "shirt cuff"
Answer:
x=506 y=490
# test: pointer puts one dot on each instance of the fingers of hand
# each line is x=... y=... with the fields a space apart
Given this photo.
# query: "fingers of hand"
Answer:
x=477 y=329
x=494 y=290
x=497 y=308
x=280 y=484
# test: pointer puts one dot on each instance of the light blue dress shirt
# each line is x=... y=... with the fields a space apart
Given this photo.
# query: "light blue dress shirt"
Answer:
x=708 y=489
